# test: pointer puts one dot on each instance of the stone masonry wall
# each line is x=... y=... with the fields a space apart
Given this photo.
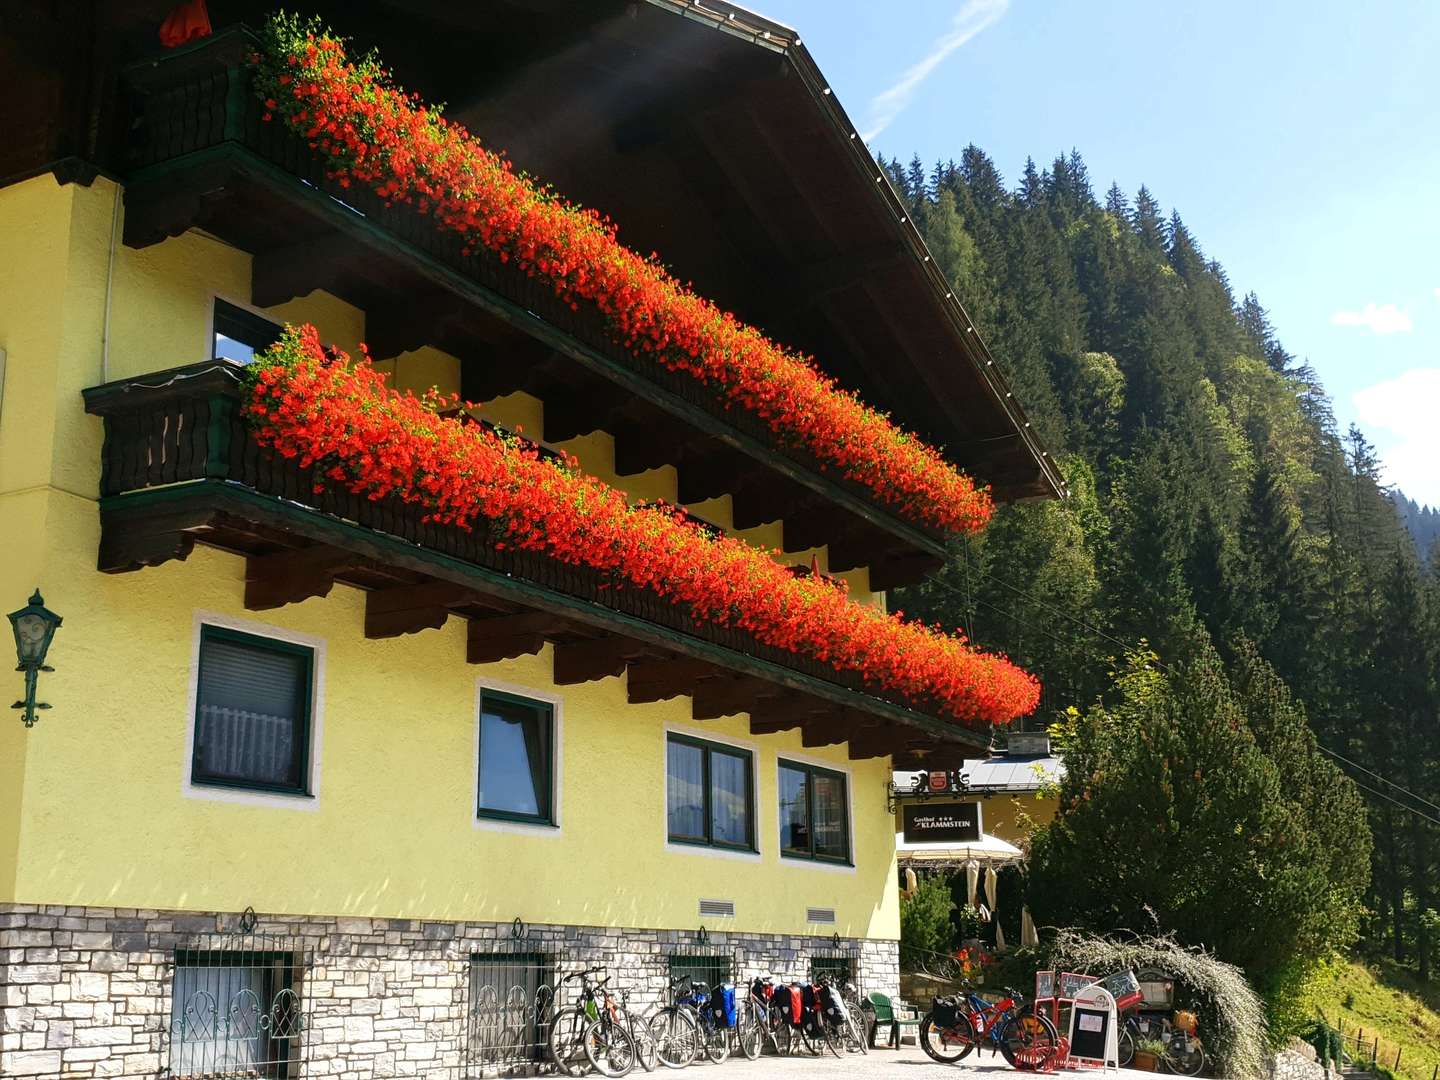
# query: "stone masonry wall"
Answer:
x=86 y=992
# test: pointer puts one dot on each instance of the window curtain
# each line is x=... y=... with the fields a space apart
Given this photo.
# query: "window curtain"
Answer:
x=251 y=704
x=685 y=791
x=830 y=823
x=216 y=1021
x=794 y=811
x=729 y=798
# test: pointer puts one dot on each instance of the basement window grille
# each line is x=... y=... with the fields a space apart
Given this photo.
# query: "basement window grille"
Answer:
x=237 y=1008
x=512 y=999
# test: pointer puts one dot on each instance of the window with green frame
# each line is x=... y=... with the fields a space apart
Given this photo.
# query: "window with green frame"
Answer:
x=814 y=813
x=516 y=779
x=252 y=712
x=709 y=794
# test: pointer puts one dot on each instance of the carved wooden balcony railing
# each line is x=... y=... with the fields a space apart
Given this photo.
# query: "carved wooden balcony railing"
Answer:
x=180 y=466
x=200 y=154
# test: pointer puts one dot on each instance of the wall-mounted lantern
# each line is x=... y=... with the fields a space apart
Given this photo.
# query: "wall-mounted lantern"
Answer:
x=34 y=626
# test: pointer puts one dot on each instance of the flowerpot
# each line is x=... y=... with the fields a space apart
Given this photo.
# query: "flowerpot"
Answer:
x=1145 y=1062
x=972 y=943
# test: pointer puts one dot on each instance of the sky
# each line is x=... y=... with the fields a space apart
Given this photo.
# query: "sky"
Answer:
x=1299 y=139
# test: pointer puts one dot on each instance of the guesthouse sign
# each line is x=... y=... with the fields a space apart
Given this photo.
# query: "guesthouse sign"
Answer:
x=942 y=823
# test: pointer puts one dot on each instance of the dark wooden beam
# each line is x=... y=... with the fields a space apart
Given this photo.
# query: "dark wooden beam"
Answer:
x=880 y=740
x=516 y=364
x=657 y=680
x=727 y=696
x=298 y=269
x=589 y=407
x=288 y=577
x=411 y=322
x=407 y=609
x=893 y=571
x=832 y=727
x=598 y=658
x=504 y=637
x=785 y=712
x=813 y=522
x=705 y=476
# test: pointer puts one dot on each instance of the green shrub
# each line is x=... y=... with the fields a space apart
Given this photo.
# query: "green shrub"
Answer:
x=925 y=928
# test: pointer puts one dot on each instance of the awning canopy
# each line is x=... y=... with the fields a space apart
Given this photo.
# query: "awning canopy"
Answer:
x=990 y=850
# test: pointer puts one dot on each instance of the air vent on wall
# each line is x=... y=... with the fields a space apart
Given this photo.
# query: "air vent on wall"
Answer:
x=717 y=909
x=820 y=914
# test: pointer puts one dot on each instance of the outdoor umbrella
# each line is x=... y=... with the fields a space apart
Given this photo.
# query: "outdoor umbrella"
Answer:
x=1028 y=936
x=972 y=880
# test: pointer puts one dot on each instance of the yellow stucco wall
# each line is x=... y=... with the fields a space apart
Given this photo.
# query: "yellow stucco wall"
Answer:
x=93 y=807
x=1014 y=817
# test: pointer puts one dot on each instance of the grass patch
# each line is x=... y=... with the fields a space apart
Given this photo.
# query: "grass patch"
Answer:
x=1387 y=1002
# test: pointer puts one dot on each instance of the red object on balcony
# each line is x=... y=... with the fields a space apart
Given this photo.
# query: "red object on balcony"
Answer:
x=186 y=22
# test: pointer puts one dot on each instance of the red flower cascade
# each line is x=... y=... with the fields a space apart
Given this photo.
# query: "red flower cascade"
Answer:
x=370 y=132
x=374 y=441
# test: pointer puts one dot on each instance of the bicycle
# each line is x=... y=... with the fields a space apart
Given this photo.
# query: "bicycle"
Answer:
x=954 y=1027
x=675 y=1029
x=614 y=1043
x=761 y=1019
x=714 y=1034
x=855 y=1030
x=568 y=1026
x=1184 y=1053
x=835 y=1020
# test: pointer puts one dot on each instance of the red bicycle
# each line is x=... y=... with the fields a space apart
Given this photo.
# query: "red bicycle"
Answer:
x=957 y=1025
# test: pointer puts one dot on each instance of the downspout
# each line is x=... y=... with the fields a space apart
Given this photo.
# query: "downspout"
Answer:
x=109 y=289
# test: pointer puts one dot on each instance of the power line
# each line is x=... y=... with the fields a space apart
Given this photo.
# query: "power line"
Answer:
x=1377 y=776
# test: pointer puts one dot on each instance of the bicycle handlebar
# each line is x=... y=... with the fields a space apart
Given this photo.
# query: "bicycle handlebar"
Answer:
x=582 y=974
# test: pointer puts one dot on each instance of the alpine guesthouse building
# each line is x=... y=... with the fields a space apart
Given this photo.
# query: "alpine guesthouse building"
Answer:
x=320 y=783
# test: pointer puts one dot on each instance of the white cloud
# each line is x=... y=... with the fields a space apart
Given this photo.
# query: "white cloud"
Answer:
x=1405 y=407
x=972 y=18
x=1437 y=294
x=1377 y=318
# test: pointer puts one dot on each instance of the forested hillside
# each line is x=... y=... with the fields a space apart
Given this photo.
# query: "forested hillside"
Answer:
x=1422 y=521
x=1215 y=503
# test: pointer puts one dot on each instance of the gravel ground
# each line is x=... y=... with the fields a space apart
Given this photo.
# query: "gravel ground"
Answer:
x=908 y=1063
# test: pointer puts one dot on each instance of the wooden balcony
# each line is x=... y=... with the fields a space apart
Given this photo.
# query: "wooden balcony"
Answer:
x=180 y=467
x=200 y=156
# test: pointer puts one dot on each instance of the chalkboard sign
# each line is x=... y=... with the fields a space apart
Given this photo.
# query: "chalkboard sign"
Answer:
x=1071 y=984
x=1093 y=1023
x=943 y=823
x=1044 y=984
x=1089 y=1031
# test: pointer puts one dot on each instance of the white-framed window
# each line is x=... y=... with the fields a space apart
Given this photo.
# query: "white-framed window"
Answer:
x=255 y=715
x=518 y=759
x=814 y=812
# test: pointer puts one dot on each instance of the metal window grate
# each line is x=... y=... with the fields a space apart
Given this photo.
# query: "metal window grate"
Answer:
x=512 y=997
x=237 y=1007
x=837 y=960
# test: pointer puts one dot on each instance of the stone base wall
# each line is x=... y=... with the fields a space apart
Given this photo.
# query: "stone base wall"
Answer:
x=86 y=992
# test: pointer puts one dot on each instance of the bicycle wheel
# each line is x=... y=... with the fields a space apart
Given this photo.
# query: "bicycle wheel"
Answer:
x=676 y=1038
x=1026 y=1036
x=809 y=1041
x=646 y=1052
x=1184 y=1056
x=780 y=1034
x=948 y=1044
x=854 y=1036
x=609 y=1047
x=749 y=1030
x=832 y=1037
x=1125 y=1045
x=567 y=1042
x=717 y=1041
